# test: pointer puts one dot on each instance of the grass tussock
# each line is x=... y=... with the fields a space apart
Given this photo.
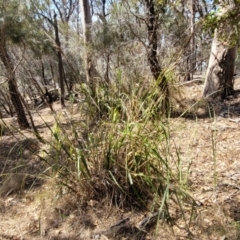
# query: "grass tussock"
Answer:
x=120 y=149
x=114 y=144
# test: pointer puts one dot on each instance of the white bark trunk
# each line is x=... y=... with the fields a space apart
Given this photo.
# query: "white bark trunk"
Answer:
x=86 y=25
x=219 y=76
x=86 y=20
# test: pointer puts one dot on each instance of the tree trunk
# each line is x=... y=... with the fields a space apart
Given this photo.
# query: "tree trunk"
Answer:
x=60 y=62
x=86 y=25
x=152 y=27
x=13 y=89
x=152 y=23
x=193 y=43
x=219 y=77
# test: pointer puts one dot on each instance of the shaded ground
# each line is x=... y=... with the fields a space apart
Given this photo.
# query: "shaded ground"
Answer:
x=31 y=208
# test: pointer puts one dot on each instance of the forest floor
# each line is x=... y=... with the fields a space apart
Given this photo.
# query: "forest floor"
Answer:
x=209 y=148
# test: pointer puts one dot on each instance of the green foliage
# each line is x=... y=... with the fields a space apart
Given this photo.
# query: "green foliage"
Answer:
x=210 y=22
x=39 y=43
x=13 y=25
x=19 y=25
x=226 y=21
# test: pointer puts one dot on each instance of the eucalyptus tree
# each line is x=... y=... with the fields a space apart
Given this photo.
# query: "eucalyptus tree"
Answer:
x=193 y=42
x=87 y=38
x=220 y=72
x=54 y=23
x=13 y=30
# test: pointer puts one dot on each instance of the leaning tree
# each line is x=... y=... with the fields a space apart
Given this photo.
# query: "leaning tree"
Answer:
x=11 y=28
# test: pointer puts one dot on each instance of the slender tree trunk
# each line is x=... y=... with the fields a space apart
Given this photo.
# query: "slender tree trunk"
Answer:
x=192 y=43
x=78 y=19
x=44 y=79
x=106 y=75
x=107 y=53
x=87 y=24
x=13 y=89
x=152 y=27
x=219 y=77
x=52 y=72
x=60 y=62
